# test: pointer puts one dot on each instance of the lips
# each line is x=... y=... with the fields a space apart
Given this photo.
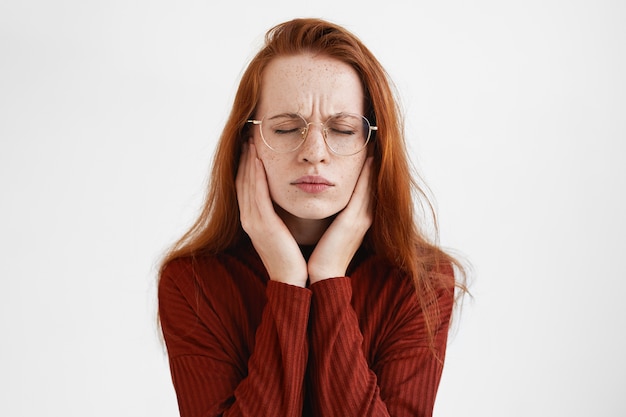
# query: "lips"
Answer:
x=312 y=184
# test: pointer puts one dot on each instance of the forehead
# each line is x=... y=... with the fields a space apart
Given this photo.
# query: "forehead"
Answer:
x=310 y=84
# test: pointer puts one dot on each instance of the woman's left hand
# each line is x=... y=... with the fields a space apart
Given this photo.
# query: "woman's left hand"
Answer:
x=342 y=239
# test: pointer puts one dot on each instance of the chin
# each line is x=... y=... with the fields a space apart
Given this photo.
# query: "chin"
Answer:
x=310 y=213
x=318 y=216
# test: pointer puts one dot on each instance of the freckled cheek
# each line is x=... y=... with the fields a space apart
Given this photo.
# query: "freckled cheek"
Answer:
x=355 y=172
x=277 y=176
x=347 y=183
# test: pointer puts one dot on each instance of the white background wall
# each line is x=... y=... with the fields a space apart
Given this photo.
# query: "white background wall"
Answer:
x=109 y=112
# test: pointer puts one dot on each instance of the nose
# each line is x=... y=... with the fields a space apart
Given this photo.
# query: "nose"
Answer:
x=314 y=149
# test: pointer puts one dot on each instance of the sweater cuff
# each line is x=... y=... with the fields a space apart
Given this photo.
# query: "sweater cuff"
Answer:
x=281 y=289
x=332 y=293
x=289 y=299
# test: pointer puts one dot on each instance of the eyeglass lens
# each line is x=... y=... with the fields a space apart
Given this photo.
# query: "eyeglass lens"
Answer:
x=345 y=134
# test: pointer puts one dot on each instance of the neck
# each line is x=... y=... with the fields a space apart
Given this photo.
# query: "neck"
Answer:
x=304 y=231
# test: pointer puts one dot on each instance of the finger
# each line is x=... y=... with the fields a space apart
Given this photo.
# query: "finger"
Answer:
x=255 y=191
x=262 y=192
x=253 y=185
x=361 y=196
x=365 y=177
x=243 y=182
x=242 y=165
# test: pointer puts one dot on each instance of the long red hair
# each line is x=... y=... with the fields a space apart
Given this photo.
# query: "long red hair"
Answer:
x=395 y=234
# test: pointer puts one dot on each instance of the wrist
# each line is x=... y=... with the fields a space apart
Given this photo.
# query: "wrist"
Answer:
x=316 y=276
x=295 y=279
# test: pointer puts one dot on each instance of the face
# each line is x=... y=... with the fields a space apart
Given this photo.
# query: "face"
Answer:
x=311 y=182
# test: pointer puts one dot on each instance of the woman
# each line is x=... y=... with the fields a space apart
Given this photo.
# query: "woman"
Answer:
x=305 y=286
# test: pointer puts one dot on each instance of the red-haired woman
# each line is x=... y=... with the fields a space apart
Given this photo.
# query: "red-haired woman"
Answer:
x=305 y=287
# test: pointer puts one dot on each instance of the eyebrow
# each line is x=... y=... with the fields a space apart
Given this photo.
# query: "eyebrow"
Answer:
x=285 y=115
x=298 y=115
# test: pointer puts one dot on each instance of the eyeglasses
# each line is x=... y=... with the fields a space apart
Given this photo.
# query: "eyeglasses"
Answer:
x=344 y=133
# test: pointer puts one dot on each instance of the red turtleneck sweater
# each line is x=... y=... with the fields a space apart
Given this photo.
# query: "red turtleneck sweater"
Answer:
x=240 y=344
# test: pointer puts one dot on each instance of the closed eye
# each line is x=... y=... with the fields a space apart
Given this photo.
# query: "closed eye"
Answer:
x=287 y=126
x=287 y=131
x=347 y=131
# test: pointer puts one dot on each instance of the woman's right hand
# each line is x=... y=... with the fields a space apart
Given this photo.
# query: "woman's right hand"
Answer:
x=270 y=236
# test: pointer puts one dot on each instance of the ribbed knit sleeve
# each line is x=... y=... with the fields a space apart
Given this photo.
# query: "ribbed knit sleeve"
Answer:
x=237 y=346
x=398 y=375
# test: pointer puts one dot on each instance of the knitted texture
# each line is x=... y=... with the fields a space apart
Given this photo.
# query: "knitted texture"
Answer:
x=242 y=345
